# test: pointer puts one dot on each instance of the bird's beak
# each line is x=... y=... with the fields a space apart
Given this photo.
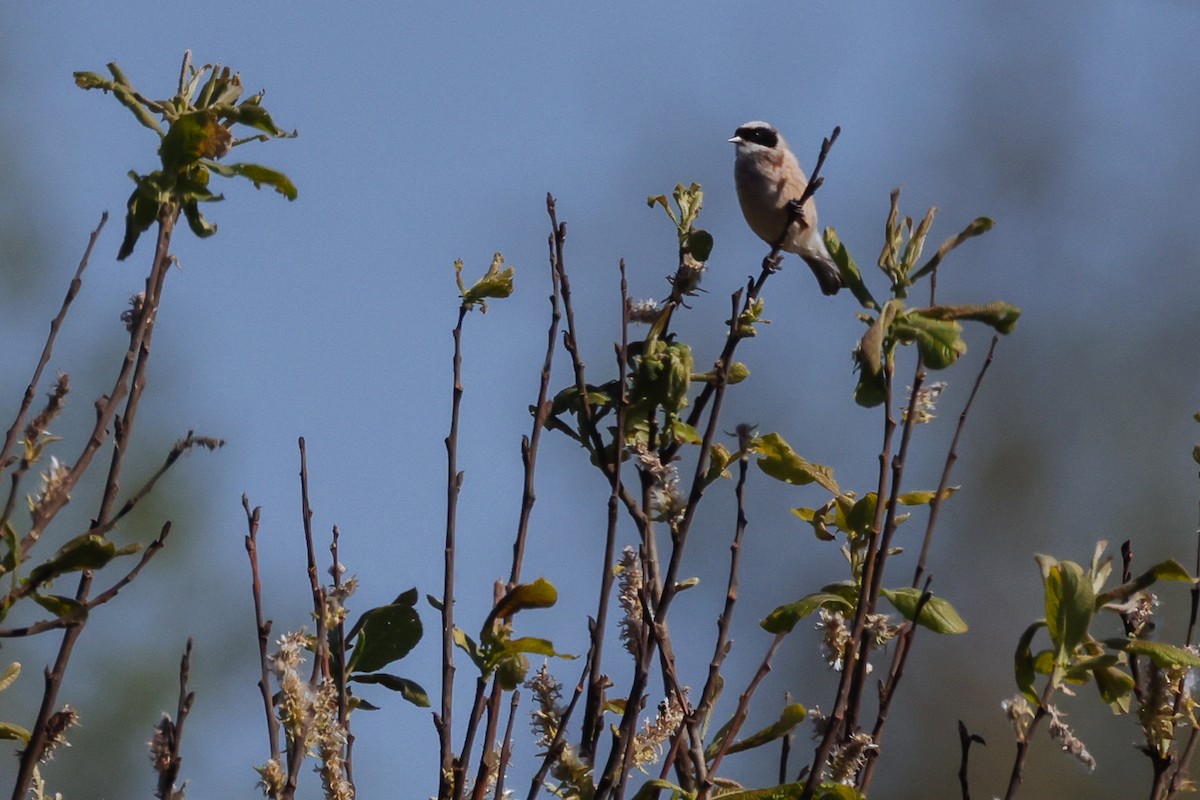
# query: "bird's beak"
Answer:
x=735 y=140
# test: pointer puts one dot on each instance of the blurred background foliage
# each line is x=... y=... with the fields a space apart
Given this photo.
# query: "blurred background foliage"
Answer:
x=433 y=134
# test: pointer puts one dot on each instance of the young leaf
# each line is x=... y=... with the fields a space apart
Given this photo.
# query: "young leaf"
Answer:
x=781 y=462
x=1070 y=601
x=9 y=730
x=1116 y=688
x=652 y=788
x=496 y=282
x=791 y=716
x=1163 y=571
x=850 y=273
x=999 y=315
x=539 y=594
x=11 y=673
x=84 y=552
x=978 y=226
x=383 y=635
x=258 y=175
x=409 y=690
x=1024 y=665
x=939 y=341
x=924 y=498
x=61 y=607
x=937 y=614
x=784 y=618
x=1166 y=656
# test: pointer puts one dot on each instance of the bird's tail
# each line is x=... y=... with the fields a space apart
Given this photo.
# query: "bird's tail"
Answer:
x=825 y=270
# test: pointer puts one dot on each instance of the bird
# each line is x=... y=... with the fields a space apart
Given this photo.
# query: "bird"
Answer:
x=768 y=179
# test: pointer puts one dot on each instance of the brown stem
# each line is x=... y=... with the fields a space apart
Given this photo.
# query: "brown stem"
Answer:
x=129 y=385
x=454 y=479
x=935 y=507
x=263 y=627
x=48 y=349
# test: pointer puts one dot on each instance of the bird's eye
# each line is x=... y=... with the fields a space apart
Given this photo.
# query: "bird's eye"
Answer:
x=761 y=136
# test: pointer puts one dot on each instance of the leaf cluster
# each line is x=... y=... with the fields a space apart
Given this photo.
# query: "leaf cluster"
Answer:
x=199 y=121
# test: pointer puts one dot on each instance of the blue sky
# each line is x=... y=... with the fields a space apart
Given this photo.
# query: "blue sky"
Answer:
x=430 y=133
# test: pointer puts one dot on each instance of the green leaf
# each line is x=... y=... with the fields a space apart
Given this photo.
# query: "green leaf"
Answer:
x=699 y=244
x=818 y=520
x=650 y=789
x=791 y=791
x=383 y=635
x=539 y=594
x=196 y=221
x=12 y=548
x=937 y=614
x=141 y=211
x=789 y=718
x=874 y=348
x=467 y=645
x=1116 y=688
x=83 y=552
x=9 y=730
x=924 y=498
x=1163 y=571
x=784 y=618
x=11 y=673
x=409 y=690
x=978 y=226
x=1167 y=656
x=251 y=114
x=850 y=273
x=861 y=516
x=939 y=341
x=497 y=282
x=194 y=136
x=661 y=200
x=781 y=462
x=258 y=175
x=998 y=315
x=1024 y=665
x=1070 y=601
x=663 y=375
x=683 y=433
x=61 y=607
x=90 y=80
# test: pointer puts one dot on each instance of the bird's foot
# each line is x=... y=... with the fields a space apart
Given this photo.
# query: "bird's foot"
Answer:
x=773 y=263
x=796 y=212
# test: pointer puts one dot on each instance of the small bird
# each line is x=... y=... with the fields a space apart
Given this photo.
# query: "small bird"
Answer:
x=768 y=179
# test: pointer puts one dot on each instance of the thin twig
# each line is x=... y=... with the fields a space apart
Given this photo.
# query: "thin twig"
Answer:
x=169 y=735
x=590 y=734
x=725 y=620
x=529 y=445
x=262 y=627
x=888 y=686
x=339 y=660
x=556 y=746
x=739 y=716
x=935 y=506
x=836 y=727
x=966 y=739
x=129 y=385
x=151 y=550
x=48 y=349
x=506 y=745
x=1018 y=767
x=454 y=479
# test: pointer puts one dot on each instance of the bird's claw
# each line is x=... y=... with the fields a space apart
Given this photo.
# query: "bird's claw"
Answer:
x=773 y=263
x=796 y=210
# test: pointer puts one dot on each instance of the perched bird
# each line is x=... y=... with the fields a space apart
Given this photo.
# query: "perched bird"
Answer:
x=768 y=179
